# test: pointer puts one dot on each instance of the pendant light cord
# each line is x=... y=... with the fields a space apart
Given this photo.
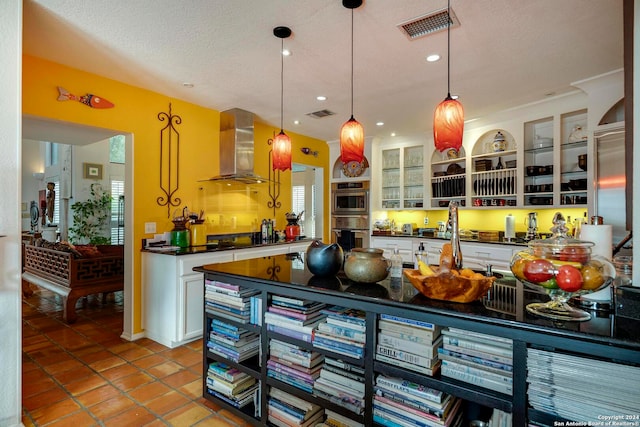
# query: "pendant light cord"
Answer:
x=449 y=49
x=351 y=63
x=281 y=84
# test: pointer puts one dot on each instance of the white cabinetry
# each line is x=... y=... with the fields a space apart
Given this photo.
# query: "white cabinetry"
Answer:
x=402 y=177
x=388 y=244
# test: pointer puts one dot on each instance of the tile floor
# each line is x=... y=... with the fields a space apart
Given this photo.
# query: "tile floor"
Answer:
x=86 y=375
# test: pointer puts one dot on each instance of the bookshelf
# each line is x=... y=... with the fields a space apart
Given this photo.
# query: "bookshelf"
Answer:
x=610 y=339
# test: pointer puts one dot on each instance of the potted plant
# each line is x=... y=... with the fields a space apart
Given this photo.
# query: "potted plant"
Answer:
x=91 y=218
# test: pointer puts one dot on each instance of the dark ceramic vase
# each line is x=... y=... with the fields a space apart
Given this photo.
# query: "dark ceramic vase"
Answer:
x=324 y=260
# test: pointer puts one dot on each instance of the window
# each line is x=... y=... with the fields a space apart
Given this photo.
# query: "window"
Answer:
x=116 y=149
x=117 y=212
x=298 y=204
x=56 y=203
x=51 y=154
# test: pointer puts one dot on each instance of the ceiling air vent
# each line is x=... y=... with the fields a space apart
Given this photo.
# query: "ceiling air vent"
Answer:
x=428 y=24
x=320 y=114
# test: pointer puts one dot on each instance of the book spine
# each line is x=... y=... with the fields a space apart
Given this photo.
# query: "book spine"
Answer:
x=293 y=301
x=219 y=385
x=292 y=400
x=338 y=390
x=500 y=387
x=302 y=336
x=349 y=320
x=223 y=285
x=407 y=414
x=270 y=316
x=444 y=353
x=417 y=336
x=401 y=363
x=288 y=313
x=330 y=341
x=410 y=346
x=479 y=372
x=297 y=414
x=401 y=418
x=409 y=401
x=476 y=353
x=226 y=326
x=405 y=321
x=507 y=342
x=384 y=422
x=341 y=331
x=339 y=379
x=271 y=320
x=352 y=375
x=410 y=388
x=483 y=366
x=291 y=381
x=388 y=418
x=345 y=324
x=337 y=350
x=477 y=346
x=425 y=362
x=344 y=365
x=278 y=367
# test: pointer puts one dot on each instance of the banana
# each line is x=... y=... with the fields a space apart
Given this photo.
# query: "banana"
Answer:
x=425 y=270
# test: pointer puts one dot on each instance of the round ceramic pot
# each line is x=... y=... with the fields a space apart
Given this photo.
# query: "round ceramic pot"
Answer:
x=366 y=265
x=324 y=260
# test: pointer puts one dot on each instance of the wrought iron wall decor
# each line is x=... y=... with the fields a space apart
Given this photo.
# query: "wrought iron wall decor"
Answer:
x=273 y=270
x=169 y=160
x=274 y=183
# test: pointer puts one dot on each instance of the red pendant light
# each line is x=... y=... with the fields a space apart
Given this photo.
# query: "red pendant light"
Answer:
x=281 y=143
x=352 y=132
x=448 y=119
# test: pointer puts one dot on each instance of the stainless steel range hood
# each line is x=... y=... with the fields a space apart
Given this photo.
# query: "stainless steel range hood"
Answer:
x=237 y=147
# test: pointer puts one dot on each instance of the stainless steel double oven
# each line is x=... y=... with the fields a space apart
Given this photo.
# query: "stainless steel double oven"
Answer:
x=350 y=214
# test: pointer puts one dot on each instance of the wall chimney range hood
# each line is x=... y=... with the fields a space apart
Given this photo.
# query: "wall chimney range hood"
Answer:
x=237 y=148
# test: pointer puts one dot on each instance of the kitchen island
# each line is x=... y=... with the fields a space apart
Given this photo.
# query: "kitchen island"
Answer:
x=607 y=339
x=172 y=293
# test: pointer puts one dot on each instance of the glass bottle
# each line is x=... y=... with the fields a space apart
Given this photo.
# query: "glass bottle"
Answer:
x=499 y=165
x=624 y=268
x=396 y=265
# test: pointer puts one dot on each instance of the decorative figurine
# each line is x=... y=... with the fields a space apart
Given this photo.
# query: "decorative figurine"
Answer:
x=90 y=100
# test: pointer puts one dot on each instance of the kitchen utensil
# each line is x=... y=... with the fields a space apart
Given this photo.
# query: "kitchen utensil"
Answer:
x=531 y=221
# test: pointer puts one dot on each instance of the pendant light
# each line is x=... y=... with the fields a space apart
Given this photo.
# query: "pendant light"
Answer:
x=352 y=132
x=448 y=119
x=281 y=143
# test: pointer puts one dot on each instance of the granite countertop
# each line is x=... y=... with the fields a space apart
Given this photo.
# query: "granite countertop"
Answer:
x=517 y=242
x=214 y=247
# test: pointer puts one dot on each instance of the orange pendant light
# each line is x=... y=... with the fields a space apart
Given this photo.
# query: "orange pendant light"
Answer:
x=281 y=143
x=352 y=132
x=448 y=119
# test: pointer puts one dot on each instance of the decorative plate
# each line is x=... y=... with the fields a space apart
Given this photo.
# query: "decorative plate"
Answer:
x=353 y=169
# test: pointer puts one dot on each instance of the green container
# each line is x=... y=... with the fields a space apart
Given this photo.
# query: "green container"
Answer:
x=180 y=238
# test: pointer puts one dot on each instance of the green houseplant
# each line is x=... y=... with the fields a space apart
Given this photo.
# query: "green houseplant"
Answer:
x=91 y=218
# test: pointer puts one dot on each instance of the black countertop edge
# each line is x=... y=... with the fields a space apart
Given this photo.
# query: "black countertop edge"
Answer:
x=462 y=239
x=203 y=249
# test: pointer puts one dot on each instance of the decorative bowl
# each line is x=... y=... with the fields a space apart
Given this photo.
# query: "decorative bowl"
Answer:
x=451 y=285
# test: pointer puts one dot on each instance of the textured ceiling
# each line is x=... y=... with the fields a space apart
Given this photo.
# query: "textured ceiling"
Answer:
x=504 y=53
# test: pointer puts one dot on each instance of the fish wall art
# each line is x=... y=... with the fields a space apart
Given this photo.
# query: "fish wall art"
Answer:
x=90 y=100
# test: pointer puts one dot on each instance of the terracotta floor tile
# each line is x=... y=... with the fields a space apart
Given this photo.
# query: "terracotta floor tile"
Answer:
x=135 y=353
x=192 y=389
x=149 y=361
x=119 y=371
x=54 y=411
x=47 y=397
x=28 y=365
x=156 y=423
x=167 y=402
x=95 y=356
x=79 y=419
x=187 y=415
x=59 y=368
x=85 y=384
x=164 y=369
x=149 y=391
x=228 y=415
x=209 y=404
x=29 y=388
x=112 y=407
x=180 y=378
x=27 y=422
x=97 y=395
x=127 y=345
x=108 y=363
x=132 y=381
x=152 y=345
x=214 y=420
x=134 y=417
x=73 y=375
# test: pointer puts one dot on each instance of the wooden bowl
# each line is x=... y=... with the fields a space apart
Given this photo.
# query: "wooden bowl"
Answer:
x=450 y=287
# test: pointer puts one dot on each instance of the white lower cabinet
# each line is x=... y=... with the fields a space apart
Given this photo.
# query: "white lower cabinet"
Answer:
x=388 y=244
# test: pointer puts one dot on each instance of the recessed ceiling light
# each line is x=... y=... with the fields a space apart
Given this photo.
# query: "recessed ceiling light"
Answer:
x=433 y=57
x=187 y=84
x=393 y=134
x=321 y=98
x=454 y=96
x=286 y=52
x=380 y=124
x=296 y=122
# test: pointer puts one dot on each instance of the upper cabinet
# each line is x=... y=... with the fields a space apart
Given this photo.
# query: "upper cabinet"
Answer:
x=402 y=177
x=448 y=179
x=494 y=170
x=573 y=158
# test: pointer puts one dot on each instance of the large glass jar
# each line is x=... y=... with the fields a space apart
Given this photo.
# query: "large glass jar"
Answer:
x=562 y=267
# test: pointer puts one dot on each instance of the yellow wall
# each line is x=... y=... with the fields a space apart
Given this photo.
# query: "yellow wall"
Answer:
x=136 y=112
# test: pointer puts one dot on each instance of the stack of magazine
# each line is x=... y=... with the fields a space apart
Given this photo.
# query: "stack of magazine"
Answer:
x=408 y=343
x=286 y=410
x=336 y=420
x=294 y=317
x=231 y=342
x=342 y=332
x=293 y=365
x=398 y=402
x=479 y=359
x=341 y=383
x=231 y=385
x=229 y=301
x=573 y=388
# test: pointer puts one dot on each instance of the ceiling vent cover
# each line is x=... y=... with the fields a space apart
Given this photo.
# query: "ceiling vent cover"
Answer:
x=428 y=24
x=320 y=114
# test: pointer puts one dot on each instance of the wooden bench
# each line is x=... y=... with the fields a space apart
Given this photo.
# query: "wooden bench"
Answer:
x=72 y=278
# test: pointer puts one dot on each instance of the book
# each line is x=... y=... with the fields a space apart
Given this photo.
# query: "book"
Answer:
x=477 y=346
x=337 y=390
x=411 y=322
x=408 y=333
x=507 y=342
x=389 y=419
x=340 y=331
x=290 y=370
x=424 y=361
x=477 y=380
x=297 y=314
x=303 y=309
x=273 y=319
x=232 y=341
x=227 y=315
x=334 y=349
x=345 y=324
x=425 y=350
x=302 y=336
x=226 y=372
x=349 y=315
x=297 y=302
x=227 y=388
x=295 y=382
x=478 y=354
x=352 y=375
x=292 y=320
x=406 y=414
x=411 y=388
x=480 y=372
x=302 y=404
x=343 y=380
x=294 y=353
x=428 y=407
x=344 y=365
x=352 y=346
x=278 y=418
x=336 y=420
x=475 y=362
x=407 y=365
x=296 y=366
x=236 y=401
x=351 y=403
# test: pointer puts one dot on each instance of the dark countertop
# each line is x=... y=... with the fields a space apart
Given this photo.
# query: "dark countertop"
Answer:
x=462 y=239
x=504 y=305
x=173 y=250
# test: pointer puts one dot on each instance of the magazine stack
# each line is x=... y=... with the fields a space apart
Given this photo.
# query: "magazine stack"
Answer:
x=231 y=385
x=409 y=344
x=293 y=317
x=478 y=359
x=573 y=388
x=232 y=342
x=334 y=419
x=293 y=365
x=286 y=410
x=229 y=301
x=342 y=332
x=341 y=383
x=398 y=402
